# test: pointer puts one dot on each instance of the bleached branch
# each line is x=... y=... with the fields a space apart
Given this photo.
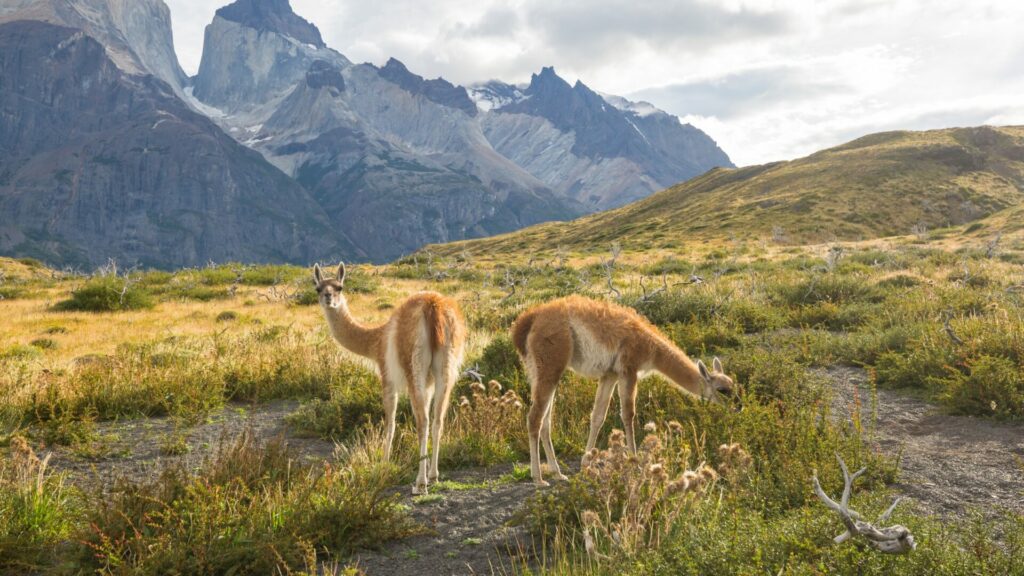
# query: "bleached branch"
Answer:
x=895 y=539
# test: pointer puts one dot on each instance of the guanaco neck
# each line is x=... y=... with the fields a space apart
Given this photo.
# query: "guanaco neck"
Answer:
x=672 y=363
x=363 y=340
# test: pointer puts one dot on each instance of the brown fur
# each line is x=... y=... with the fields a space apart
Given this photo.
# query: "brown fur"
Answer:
x=600 y=340
x=421 y=345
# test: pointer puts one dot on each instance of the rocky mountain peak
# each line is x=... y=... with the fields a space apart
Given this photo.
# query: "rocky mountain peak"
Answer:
x=548 y=81
x=438 y=90
x=272 y=16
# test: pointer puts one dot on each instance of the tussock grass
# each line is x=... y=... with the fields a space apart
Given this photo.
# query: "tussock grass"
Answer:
x=252 y=509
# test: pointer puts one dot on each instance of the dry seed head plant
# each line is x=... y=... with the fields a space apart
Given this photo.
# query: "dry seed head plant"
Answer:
x=645 y=494
x=487 y=424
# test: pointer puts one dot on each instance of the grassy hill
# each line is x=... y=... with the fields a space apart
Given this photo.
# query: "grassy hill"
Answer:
x=884 y=184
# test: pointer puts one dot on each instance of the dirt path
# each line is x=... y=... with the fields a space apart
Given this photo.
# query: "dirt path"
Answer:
x=466 y=531
x=949 y=464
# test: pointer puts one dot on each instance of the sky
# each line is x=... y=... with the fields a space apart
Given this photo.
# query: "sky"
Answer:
x=767 y=79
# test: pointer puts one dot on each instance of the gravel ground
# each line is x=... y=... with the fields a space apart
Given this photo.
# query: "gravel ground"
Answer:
x=949 y=464
x=466 y=531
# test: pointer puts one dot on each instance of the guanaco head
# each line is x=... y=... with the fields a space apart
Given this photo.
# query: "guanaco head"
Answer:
x=718 y=387
x=329 y=291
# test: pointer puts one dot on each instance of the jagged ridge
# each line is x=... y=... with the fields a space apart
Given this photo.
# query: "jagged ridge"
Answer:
x=273 y=16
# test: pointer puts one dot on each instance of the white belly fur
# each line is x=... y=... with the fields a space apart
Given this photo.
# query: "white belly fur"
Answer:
x=590 y=358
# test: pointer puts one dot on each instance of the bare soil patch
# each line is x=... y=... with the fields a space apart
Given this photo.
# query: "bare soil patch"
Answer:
x=466 y=531
x=139 y=449
x=949 y=465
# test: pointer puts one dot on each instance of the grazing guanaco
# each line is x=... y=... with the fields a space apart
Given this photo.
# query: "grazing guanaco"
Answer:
x=418 y=350
x=599 y=340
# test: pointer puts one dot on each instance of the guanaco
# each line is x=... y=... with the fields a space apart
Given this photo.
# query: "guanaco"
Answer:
x=606 y=341
x=418 y=351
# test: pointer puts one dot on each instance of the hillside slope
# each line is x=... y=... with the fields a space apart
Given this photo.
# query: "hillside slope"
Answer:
x=880 y=185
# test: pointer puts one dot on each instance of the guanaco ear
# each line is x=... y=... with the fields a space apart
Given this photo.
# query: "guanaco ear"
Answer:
x=341 y=273
x=717 y=366
x=318 y=274
x=703 y=370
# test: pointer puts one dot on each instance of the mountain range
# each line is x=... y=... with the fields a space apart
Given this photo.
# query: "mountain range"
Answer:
x=282 y=149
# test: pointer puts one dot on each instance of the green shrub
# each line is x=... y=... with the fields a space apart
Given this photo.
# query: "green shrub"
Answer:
x=913 y=369
x=19 y=352
x=107 y=294
x=11 y=292
x=306 y=297
x=834 y=288
x=753 y=317
x=700 y=338
x=44 y=343
x=990 y=386
x=899 y=281
x=227 y=316
x=31 y=262
x=197 y=292
x=348 y=409
x=500 y=361
x=683 y=306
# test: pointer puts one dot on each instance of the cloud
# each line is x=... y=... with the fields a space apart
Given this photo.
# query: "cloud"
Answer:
x=742 y=93
x=595 y=30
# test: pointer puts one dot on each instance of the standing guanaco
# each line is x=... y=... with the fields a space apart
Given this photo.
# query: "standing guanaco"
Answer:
x=418 y=350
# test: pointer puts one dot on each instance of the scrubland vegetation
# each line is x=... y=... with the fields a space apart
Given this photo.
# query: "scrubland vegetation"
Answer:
x=713 y=490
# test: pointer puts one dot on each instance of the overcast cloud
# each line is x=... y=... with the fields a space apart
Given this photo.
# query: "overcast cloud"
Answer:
x=768 y=79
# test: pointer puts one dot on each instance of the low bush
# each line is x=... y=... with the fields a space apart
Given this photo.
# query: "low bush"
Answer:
x=348 y=409
x=107 y=294
x=44 y=343
x=990 y=386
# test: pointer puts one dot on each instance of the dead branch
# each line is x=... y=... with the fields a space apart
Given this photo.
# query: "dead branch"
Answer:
x=609 y=270
x=993 y=245
x=947 y=317
x=895 y=539
x=510 y=283
x=474 y=373
x=648 y=296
